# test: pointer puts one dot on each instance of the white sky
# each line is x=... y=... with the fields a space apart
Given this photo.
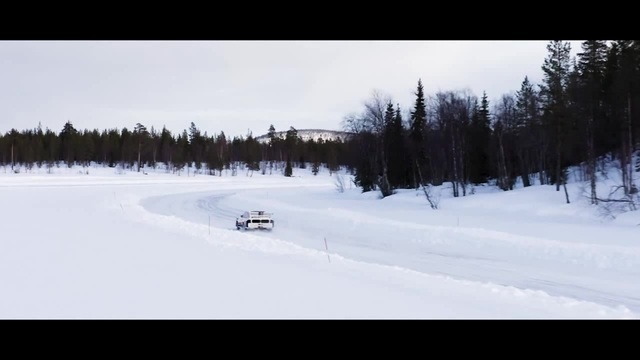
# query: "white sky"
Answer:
x=237 y=86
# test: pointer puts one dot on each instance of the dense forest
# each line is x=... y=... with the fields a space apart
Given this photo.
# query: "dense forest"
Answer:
x=586 y=107
x=189 y=151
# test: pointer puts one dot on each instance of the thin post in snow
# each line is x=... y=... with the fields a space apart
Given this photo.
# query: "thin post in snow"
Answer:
x=119 y=202
x=327 y=247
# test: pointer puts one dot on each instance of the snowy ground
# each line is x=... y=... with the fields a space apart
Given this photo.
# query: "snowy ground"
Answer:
x=127 y=245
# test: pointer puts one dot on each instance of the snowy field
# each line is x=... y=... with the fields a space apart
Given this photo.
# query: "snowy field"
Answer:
x=112 y=244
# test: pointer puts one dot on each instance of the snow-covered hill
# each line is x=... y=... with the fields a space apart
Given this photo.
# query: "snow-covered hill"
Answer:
x=307 y=134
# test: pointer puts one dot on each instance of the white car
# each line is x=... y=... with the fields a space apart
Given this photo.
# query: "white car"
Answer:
x=255 y=219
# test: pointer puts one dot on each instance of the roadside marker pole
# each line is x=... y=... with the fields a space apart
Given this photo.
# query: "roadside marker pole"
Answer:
x=327 y=247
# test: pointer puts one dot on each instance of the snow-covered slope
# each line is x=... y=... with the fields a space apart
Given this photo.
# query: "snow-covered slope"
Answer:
x=308 y=134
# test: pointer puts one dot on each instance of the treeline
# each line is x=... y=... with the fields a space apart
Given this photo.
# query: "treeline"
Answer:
x=586 y=107
x=140 y=147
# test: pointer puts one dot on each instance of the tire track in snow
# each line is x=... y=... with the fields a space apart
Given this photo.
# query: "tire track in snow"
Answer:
x=432 y=251
x=599 y=273
x=249 y=242
x=580 y=254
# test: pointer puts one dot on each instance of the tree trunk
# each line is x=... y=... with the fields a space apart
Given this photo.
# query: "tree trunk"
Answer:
x=463 y=168
x=139 y=151
x=592 y=176
x=454 y=180
x=427 y=194
x=541 y=173
x=524 y=167
x=623 y=167
x=558 y=165
x=542 y=159
x=503 y=165
x=12 y=160
x=630 y=150
x=385 y=187
x=591 y=162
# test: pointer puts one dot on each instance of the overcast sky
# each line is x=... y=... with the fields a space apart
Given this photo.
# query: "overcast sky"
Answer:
x=237 y=86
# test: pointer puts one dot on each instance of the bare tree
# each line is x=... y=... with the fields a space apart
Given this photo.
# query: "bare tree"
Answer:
x=433 y=202
x=371 y=161
x=505 y=129
x=452 y=113
x=374 y=116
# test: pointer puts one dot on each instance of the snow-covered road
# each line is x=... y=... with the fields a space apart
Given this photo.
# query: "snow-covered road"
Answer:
x=603 y=274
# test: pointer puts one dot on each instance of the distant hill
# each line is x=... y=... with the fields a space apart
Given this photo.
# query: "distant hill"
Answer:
x=307 y=134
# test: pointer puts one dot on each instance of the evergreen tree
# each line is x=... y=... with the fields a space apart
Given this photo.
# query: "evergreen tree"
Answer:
x=141 y=133
x=126 y=149
x=332 y=156
x=553 y=91
x=288 y=170
x=610 y=135
x=627 y=86
x=67 y=139
x=196 y=146
x=529 y=132
x=223 y=152
x=38 y=145
x=252 y=153
x=166 y=143
x=416 y=134
x=396 y=152
x=591 y=67
x=479 y=138
x=271 y=134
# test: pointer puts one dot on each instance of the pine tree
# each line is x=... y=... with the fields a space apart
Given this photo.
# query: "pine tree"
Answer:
x=288 y=170
x=223 y=153
x=291 y=142
x=396 y=152
x=141 y=133
x=67 y=138
x=591 y=67
x=479 y=139
x=610 y=135
x=39 y=145
x=332 y=156
x=556 y=68
x=529 y=132
x=252 y=153
x=628 y=91
x=416 y=133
